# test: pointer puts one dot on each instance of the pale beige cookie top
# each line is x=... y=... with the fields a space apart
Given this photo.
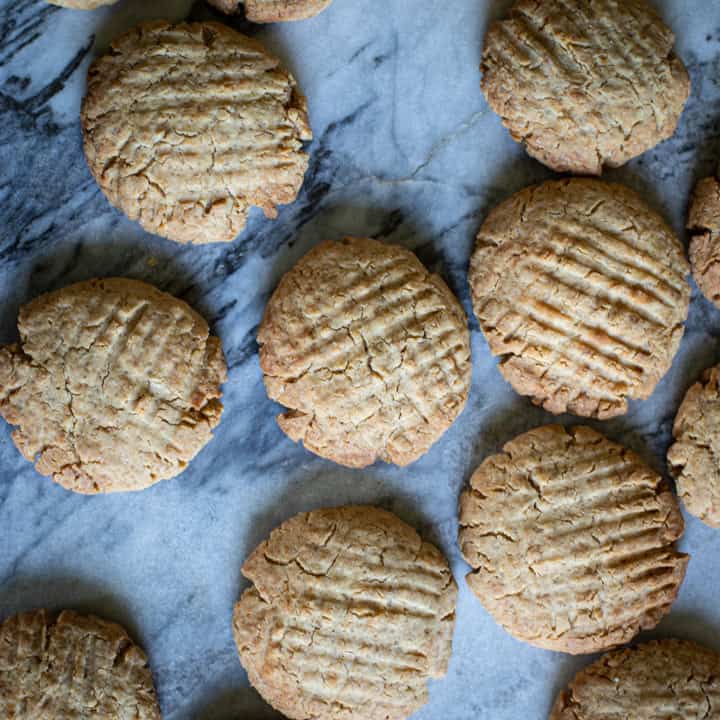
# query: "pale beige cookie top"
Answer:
x=82 y=4
x=188 y=126
x=704 y=226
x=584 y=84
x=368 y=350
x=350 y=614
x=571 y=540
x=113 y=386
x=72 y=666
x=695 y=457
x=581 y=291
x=660 y=680
x=268 y=11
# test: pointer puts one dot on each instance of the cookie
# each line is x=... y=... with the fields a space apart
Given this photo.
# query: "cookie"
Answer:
x=571 y=540
x=581 y=291
x=72 y=666
x=350 y=614
x=660 y=680
x=694 y=459
x=584 y=83
x=368 y=350
x=268 y=11
x=704 y=226
x=188 y=126
x=113 y=386
x=82 y=4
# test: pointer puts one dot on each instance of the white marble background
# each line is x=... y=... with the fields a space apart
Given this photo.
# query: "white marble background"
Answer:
x=407 y=150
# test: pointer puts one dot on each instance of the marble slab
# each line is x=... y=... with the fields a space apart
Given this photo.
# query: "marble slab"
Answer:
x=407 y=150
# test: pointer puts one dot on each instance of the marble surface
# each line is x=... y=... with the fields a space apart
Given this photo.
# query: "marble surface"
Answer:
x=406 y=150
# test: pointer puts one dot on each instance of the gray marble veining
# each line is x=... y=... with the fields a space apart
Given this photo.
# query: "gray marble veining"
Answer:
x=406 y=149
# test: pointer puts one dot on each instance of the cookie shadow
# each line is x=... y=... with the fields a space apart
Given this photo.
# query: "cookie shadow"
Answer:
x=687 y=626
x=233 y=703
x=66 y=592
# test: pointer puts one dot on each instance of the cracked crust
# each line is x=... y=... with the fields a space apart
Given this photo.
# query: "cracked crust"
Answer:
x=82 y=4
x=349 y=615
x=72 y=666
x=370 y=352
x=581 y=291
x=114 y=385
x=695 y=457
x=704 y=226
x=571 y=540
x=584 y=83
x=188 y=126
x=269 y=11
x=660 y=680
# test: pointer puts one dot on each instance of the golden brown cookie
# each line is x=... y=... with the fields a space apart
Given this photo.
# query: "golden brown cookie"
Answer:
x=368 y=350
x=704 y=226
x=584 y=83
x=695 y=457
x=113 y=386
x=350 y=614
x=571 y=540
x=82 y=4
x=187 y=126
x=660 y=680
x=268 y=11
x=72 y=666
x=581 y=291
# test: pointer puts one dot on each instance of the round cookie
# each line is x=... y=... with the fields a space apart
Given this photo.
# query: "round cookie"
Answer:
x=581 y=291
x=187 y=126
x=704 y=226
x=571 y=540
x=350 y=614
x=368 y=350
x=72 y=666
x=584 y=84
x=268 y=11
x=113 y=386
x=660 y=680
x=82 y=4
x=695 y=457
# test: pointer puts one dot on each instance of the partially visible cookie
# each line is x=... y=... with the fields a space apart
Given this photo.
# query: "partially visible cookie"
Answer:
x=695 y=457
x=82 y=4
x=72 y=666
x=113 y=386
x=660 y=680
x=188 y=126
x=584 y=84
x=268 y=11
x=349 y=615
x=571 y=540
x=580 y=289
x=704 y=226
x=368 y=350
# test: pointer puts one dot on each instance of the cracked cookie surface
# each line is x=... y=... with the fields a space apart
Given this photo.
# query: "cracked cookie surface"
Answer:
x=571 y=540
x=704 y=226
x=369 y=350
x=584 y=83
x=72 y=666
x=268 y=11
x=349 y=615
x=581 y=291
x=660 y=680
x=114 y=385
x=188 y=126
x=694 y=458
